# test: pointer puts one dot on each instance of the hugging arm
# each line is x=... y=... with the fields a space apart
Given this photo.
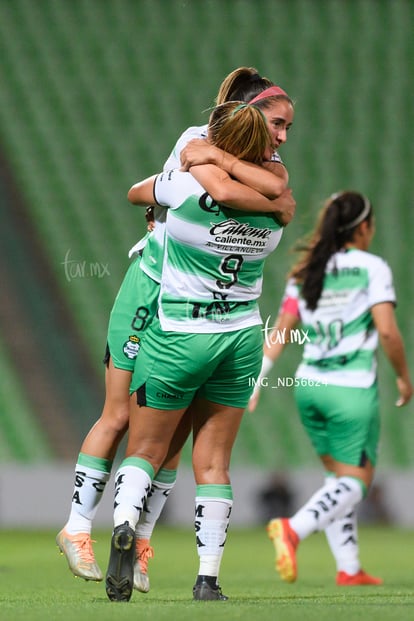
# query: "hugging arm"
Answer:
x=142 y=193
x=270 y=179
x=236 y=195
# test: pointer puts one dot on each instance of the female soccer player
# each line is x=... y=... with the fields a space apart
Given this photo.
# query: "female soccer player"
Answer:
x=344 y=298
x=132 y=312
x=205 y=344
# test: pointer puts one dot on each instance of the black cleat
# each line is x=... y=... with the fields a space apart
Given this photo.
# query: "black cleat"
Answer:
x=205 y=591
x=120 y=573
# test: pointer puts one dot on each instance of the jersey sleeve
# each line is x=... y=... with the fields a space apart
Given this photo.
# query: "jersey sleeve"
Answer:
x=161 y=187
x=381 y=287
x=172 y=187
x=173 y=161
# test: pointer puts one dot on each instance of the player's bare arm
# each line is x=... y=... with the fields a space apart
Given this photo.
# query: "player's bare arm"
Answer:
x=227 y=191
x=269 y=180
x=142 y=193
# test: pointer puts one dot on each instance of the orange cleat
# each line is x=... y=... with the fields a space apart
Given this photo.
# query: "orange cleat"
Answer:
x=285 y=541
x=359 y=579
x=79 y=555
x=143 y=552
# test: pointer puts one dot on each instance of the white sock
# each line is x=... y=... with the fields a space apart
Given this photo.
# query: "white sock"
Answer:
x=212 y=515
x=329 y=502
x=132 y=484
x=154 y=504
x=90 y=482
x=342 y=537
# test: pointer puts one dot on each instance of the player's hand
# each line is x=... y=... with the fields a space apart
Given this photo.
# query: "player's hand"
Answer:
x=149 y=217
x=254 y=400
x=285 y=207
x=405 y=390
x=198 y=151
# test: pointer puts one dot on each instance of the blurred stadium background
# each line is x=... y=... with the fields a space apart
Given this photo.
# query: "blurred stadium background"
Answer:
x=93 y=94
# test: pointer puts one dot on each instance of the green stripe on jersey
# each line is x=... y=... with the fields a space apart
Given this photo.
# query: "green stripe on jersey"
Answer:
x=346 y=278
x=358 y=361
x=363 y=323
x=214 y=310
x=152 y=258
x=191 y=260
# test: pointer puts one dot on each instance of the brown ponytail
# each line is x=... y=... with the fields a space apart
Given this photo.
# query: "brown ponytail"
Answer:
x=239 y=129
x=242 y=84
x=336 y=226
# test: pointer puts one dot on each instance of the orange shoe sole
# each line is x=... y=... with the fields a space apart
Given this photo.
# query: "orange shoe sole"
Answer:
x=285 y=542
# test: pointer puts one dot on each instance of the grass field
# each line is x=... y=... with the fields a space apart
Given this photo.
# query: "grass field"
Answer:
x=36 y=585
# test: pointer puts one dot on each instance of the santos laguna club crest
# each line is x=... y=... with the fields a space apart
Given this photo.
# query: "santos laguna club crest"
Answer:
x=131 y=347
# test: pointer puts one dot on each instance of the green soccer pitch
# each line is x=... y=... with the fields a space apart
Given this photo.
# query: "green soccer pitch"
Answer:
x=36 y=585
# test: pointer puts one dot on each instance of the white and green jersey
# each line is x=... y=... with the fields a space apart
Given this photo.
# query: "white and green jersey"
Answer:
x=214 y=256
x=341 y=340
x=152 y=245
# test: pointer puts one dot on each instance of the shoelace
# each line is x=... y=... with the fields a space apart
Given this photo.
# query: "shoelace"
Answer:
x=144 y=552
x=84 y=545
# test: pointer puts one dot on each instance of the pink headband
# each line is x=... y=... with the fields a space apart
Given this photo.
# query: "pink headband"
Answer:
x=272 y=91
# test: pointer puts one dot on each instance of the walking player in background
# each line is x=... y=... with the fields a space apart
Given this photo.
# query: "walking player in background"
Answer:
x=343 y=296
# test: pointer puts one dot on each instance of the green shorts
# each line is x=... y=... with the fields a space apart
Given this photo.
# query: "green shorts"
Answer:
x=341 y=421
x=174 y=367
x=134 y=308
